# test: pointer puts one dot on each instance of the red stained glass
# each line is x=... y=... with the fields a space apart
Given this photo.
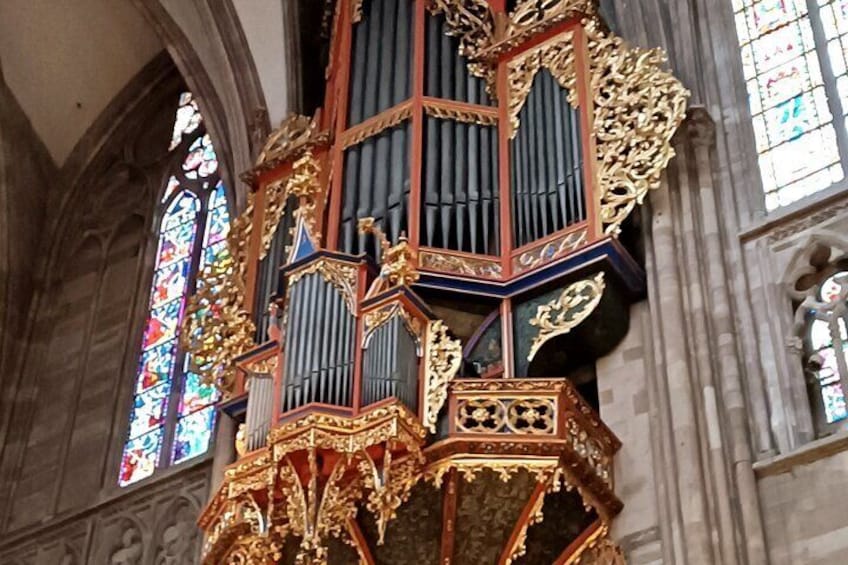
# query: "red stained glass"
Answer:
x=156 y=365
x=178 y=261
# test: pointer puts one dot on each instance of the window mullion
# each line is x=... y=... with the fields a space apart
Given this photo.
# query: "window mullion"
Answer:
x=829 y=79
x=179 y=376
x=838 y=349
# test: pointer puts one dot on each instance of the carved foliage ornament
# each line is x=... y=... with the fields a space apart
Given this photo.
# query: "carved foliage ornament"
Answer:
x=295 y=134
x=294 y=489
x=303 y=183
x=638 y=107
x=340 y=275
x=443 y=357
x=637 y=104
x=566 y=312
x=375 y=319
x=216 y=327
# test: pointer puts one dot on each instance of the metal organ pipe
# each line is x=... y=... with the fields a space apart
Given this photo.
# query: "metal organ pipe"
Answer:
x=390 y=365
x=260 y=403
x=381 y=58
x=547 y=183
x=318 y=352
x=266 y=281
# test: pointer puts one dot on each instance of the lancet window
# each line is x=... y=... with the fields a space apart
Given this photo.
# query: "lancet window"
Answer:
x=794 y=56
x=826 y=346
x=172 y=416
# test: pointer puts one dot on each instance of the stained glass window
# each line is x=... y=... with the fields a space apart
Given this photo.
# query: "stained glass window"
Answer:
x=173 y=413
x=792 y=83
x=827 y=345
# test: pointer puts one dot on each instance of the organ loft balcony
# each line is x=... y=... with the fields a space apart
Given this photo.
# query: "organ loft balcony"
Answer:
x=406 y=326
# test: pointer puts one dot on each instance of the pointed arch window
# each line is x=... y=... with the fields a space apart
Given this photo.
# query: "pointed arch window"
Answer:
x=173 y=413
x=826 y=349
x=794 y=55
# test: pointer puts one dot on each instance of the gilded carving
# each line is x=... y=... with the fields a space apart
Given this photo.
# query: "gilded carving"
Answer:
x=532 y=16
x=460 y=265
x=566 y=312
x=295 y=134
x=470 y=467
x=638 y=107
x=340 y=275
x=557 y=56
x=473 y=23
x=550 y=251
x=288 y=490
x=377 y=125
x=465 y=115
x=500 y=415
x=304 y=183
x=399 y=263
x=443 y=357
x=216 y=327
x=374 y=319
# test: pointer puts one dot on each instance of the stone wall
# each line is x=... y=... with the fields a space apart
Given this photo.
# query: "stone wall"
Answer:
x=26 y=177
x=623 y=390
x=68 y=402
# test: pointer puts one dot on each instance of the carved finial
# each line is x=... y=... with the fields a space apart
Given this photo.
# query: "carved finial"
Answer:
x=399 y=262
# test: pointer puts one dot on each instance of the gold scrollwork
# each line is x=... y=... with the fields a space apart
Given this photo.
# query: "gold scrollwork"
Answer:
x=480 y=415
x=566 y=312
x=375 y=126
x=340 y=275
x=638 y=107
x=598 y=549
x=550 y=251
x=374 y=319
x=216 y=327
x=534 y=416
x=399 y=263
x=516 y=416
x=443 y=357
x=473 y=22
x=303 y=183
x=460 y=265
x=558 y=57
x=531 y=16
x=295 y=134
x=469 y=468
x=464 y=115
x=356 y=11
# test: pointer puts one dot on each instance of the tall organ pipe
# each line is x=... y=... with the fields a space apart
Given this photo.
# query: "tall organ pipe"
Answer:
x=447 y=73
x=546 y=162
x=266 y=281
x=376 y=185
x=380 y=58
x=460 y=209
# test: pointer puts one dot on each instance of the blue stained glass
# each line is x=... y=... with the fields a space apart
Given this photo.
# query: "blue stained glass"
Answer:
x=163 y=324
x=834 y=403
x=169 y=283
x=182 y=210
x=196 y=395
x=176 y=244
x=156 y=365
x=156 y=376
x=201 y=159
x=193 y=434
x=149 y=409
x=140 y=457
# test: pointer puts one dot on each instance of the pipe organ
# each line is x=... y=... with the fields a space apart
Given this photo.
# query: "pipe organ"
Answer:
x=426 y=269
